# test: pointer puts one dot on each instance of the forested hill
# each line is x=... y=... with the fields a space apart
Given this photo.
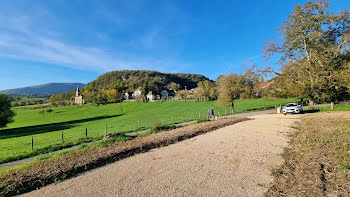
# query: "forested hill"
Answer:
x=49 y=88
x=152 y=80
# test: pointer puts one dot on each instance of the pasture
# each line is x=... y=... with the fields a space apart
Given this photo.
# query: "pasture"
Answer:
x=46 y=129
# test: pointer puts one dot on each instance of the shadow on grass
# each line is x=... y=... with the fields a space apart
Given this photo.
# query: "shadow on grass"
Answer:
x=309 y=111
x=37 y=129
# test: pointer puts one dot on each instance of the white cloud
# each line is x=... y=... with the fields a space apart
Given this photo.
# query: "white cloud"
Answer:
x=29 y=46
x=23 y=37
x=42 y=49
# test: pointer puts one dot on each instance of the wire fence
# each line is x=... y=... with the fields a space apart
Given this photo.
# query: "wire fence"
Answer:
x=68 y=138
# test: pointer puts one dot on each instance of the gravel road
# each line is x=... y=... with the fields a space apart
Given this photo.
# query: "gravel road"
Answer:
x=233 y=161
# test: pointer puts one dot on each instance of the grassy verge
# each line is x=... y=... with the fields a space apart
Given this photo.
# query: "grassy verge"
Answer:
x=15 y=140
x=337 y=107
x=318 y=158
x=59 y=168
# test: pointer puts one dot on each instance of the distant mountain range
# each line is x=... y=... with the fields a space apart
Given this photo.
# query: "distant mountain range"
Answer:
x=49 y=88
x=149 y=80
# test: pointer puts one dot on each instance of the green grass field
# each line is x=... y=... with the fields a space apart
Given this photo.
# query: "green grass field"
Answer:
x=337 y=107
x=15 y=140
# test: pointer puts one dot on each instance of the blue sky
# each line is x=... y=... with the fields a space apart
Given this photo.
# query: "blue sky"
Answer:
x=78 y=40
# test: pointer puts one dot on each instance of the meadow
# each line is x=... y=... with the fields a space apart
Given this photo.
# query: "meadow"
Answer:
x=46 y=129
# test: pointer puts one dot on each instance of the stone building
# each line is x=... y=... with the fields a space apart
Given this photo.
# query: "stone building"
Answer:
x=126 y=96
x=78 y=100
x=136 y=93
x=151 y=96
x=167 y=94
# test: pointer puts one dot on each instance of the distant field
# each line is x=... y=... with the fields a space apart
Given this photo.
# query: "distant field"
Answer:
x=15 y=140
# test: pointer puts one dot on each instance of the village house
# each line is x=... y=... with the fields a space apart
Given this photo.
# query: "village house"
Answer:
x=136 y=93
x=167 y=94
x=193 y=90
x=78 y=99
x=151 y=96
x=262 y=86
x=126 y=96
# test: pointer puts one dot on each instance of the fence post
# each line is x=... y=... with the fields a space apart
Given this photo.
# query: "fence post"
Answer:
x=32 y=142
x=106 y=128
x=62 y=137
x=86 y=132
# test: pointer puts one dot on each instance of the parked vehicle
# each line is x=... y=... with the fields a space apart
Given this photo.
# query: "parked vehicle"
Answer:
x=292 y=108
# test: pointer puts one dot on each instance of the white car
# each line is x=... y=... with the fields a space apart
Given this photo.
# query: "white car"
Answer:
x=292 y=108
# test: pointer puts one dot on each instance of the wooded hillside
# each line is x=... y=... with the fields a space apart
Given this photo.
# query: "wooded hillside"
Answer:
x=155 y=81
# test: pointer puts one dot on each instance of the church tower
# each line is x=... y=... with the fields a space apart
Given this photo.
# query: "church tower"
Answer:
x=78 y=97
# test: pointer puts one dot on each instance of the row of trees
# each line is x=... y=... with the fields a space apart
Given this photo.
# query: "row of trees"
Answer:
x=22 y=100
x=62 y=99
x=229 y=88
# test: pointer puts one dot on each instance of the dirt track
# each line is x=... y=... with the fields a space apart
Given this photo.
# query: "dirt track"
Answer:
x=232 y=161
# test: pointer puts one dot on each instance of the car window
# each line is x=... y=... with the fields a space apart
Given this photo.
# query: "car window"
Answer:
x=291 y=105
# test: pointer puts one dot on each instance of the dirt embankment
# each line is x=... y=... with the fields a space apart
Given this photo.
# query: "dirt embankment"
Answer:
x=232 y=161
x=50 y=171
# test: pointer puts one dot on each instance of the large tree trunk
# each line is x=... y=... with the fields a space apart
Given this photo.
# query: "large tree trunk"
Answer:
x=311 y=103
x=233 y=106
x=332 y=105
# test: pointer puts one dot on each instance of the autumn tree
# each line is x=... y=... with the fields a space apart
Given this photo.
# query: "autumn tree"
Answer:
x=252 y=79
x=62 y=99
x=206 y=89
x=182 y=94
x=174 y=86
x=236 y=86
x=314 y=50
x=114 y=95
